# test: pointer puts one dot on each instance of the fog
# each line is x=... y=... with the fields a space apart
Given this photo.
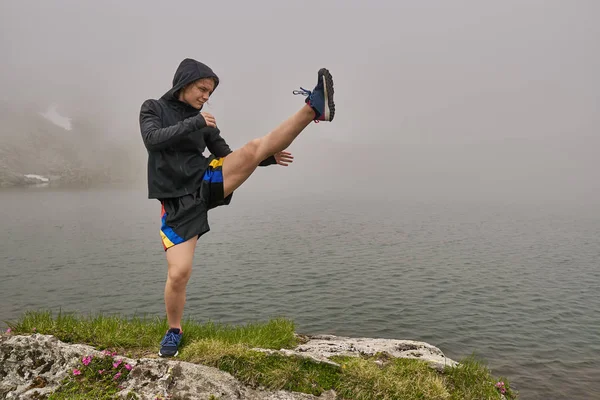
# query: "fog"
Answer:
x=460 y=100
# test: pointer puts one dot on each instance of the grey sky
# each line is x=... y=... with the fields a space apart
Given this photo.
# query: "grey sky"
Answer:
x=435 y=99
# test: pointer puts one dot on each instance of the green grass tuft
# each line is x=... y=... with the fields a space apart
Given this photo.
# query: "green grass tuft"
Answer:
x=362 y=379
x=279 y=372
x=472 y=380
x=256 y=368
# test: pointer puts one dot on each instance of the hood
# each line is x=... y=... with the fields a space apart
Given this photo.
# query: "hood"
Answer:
x=189 y=70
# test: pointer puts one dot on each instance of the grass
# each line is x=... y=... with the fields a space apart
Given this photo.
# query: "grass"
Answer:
x=140 y=333
x=230 y=349
x=362 y=379
x=471 y=381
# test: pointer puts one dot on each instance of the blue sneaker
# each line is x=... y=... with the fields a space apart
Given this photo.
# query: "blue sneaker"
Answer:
x=321 y=97
x=170 y=343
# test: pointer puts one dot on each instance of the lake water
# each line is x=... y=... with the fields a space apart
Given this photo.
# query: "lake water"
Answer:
x=517 y=285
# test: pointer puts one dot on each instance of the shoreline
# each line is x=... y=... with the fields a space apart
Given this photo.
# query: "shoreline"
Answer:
x=65 y=355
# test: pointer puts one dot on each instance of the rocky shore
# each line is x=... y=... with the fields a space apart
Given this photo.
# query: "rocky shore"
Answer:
x=33 y=366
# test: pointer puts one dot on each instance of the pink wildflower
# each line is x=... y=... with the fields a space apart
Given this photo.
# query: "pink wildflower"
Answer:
x=76 y=372
x=8 y=331
x=107 y=352
x=101 y=371
x=86 y=360
x=129 y=367
x=503 y=390
x=114 y=353
x=117 y=376
x=116 y=364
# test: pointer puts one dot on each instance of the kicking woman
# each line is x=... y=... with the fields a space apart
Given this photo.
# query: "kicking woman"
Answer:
x=188 y=184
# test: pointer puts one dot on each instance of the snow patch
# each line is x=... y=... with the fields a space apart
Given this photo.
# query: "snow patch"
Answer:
x=53 y=116
x=38 y=177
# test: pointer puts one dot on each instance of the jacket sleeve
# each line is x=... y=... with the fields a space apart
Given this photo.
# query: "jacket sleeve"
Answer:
x=157 y=137
x=215 y=142
x=217 y=146
x=268 y=161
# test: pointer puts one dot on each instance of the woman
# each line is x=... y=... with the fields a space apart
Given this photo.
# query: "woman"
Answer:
x=187 y=184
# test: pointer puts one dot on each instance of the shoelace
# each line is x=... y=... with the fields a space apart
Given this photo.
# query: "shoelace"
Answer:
x=170 y=339
x=304 y=92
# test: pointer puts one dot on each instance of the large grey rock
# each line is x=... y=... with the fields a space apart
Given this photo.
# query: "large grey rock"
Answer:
x=35 y=363
x=33 y=366
x=325 y=346
x=154 y=377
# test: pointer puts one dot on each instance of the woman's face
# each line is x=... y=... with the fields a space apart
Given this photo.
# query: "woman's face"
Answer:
x=197 y=93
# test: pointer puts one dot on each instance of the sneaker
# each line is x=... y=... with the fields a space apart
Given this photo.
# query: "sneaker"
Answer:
x=321 y=97
x=170 y=343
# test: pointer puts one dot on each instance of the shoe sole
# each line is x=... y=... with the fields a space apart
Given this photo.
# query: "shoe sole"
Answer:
x=174 y=355
x=328 y=91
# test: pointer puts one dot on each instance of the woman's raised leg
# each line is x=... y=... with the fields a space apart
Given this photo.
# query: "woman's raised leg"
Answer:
x=239 y=165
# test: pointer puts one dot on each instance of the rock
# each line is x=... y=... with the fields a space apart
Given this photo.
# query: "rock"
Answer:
x=325 y=346
x=153 y=377
x=35 y=363
x=32 y=367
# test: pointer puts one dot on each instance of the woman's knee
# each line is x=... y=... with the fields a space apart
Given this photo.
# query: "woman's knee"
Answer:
x=179 y=275
x=252 y=152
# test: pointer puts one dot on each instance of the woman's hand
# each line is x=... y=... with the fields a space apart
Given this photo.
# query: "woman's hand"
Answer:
x=284 y=158
x=210 y=120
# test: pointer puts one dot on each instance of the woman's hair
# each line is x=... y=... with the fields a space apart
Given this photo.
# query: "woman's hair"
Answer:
x=212 y=78
x=215 y=80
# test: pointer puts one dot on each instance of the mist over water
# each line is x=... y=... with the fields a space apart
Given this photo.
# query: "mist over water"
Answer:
x=453 y=199
x=453 y=100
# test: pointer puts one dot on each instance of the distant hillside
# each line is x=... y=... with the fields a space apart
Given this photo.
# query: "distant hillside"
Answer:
x=31 y=144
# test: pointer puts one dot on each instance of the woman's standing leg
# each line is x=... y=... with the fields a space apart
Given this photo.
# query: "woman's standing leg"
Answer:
x=179 y=259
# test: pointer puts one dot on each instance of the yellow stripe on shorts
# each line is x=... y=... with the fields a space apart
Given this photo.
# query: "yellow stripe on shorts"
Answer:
x=166 y=241
x=217 y=162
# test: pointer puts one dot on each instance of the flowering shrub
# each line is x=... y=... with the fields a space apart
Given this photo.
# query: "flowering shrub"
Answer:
x=504 y=389
x=95 y=375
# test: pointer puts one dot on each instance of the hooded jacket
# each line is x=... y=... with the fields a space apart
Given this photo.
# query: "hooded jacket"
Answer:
x=175 y=135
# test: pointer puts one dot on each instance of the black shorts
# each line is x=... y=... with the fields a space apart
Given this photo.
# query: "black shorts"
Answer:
x=187 y=216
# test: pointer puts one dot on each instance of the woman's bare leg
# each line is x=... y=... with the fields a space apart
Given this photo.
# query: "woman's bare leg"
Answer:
x=240 y=164
x=180 y=260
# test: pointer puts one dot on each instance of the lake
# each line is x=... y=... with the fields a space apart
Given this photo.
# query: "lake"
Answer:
x=517 y=285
